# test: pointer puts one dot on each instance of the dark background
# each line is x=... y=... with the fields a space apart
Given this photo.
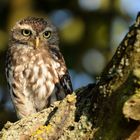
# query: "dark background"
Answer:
x=90 y=31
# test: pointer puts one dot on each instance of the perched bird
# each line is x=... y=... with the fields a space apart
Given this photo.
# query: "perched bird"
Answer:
x=35 y=68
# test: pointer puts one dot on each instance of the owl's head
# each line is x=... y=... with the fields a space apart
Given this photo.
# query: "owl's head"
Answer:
x=34 y=32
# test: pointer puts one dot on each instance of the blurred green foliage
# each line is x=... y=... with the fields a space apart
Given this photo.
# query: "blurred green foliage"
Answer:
x=95 y=26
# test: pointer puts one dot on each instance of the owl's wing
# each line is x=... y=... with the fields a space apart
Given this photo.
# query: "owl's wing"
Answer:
x=65 y=81
x=62 y=71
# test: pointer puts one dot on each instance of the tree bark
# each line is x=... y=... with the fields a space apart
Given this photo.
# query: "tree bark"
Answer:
x=107 y=110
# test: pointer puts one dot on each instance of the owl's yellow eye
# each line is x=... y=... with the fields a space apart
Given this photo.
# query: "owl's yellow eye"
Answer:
x=47 y=34
x=26 y=32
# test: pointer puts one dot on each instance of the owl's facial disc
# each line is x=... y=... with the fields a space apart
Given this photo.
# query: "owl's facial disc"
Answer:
x=35 y=33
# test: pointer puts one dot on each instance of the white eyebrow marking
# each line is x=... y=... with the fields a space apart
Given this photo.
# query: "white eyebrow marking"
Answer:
x=25 y=26
x=47 y=29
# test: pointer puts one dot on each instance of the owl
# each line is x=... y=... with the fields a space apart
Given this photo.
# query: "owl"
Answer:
x=35 y=69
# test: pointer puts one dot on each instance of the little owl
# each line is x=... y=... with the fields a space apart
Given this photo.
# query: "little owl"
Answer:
x=35 y=68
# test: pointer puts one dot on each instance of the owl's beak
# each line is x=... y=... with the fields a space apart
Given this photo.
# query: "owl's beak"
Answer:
x=37 y=42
